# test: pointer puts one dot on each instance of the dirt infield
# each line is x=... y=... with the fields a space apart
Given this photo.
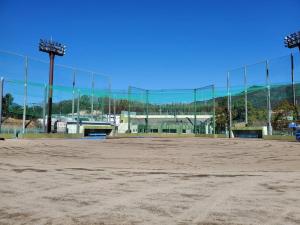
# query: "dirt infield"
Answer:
x=149 y=181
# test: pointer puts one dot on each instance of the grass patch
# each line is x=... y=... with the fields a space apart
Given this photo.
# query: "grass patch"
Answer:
x=279 y=137
x=154 y=135
x=211 y=135
x=55 y=135
x=167 y=135
x=7 y=136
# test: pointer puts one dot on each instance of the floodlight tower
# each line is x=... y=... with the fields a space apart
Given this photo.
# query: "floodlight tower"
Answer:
x=293 y=41
x=52 y=48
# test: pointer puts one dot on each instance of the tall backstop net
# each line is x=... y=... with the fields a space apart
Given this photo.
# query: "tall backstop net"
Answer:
x=171 y=110
x=77 y=94
x=265 y=94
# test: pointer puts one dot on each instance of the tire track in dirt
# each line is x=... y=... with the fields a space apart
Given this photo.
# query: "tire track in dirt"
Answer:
x=200 y=211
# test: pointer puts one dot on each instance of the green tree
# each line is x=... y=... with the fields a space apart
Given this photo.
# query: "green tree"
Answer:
x=284 y=112
x=6 y=103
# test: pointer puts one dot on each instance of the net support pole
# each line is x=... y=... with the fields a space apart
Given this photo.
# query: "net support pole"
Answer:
x=129 y=98
x=25 y=95
x=293 y=80
x=78 y=113
x=269 y=109
x=115 y=119
x=1 y=100
x=229 y=106
x=101 y=106
x=147 y=111
x=246 y=95
x=92 y=97
x=195 y=115
x=44 y=108
x=73 y=94
x=214 y=109
x=109 y=100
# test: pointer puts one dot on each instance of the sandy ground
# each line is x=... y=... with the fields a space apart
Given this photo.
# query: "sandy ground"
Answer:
x=149 y=181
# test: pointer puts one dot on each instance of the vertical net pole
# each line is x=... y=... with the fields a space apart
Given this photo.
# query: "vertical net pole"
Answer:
x=1 y=99
x=115 y=122
x=101 y=103
x=195 y=111
x=44 y=108
x=214 y=109
x=78 y=113
x=147 y=111
x=269 y=110
x=92 y=97
x=293 y=80
x=25 y=94
x=129 y=97
x=229 y=105
x=73 y=94
x=246 y=95
x=109 y=99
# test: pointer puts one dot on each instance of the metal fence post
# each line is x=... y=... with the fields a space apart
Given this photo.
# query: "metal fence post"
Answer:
x=25 y=94
x=246 y=95
x=92 y=97
x=269 y=109
x=44 y=108
x=73 y=93
x=78 y=113
x=115 y=119
x=1 y=100
x=195 y=107
x=214 y=109
x=147 y=111
x=109 y=99
x=129 y=97
x=293 y=80
x=229 y=105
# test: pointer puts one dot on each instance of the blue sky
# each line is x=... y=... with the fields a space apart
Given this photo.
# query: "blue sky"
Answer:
x=153 y=44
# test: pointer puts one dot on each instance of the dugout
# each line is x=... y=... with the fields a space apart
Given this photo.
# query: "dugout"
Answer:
x=249 y=132
x=89 y=128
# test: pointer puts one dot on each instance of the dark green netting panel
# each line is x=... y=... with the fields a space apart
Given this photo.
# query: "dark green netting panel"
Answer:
x=63 y=107
x=36 y=108
x=13 y=105
x=137 y=110
x=257 y=95
x=221 y=110
x=296 y=59
x=237 y=90
x=101 y=103
x=204 y=104
x=119 y=107
x=281 y=95
x=171 y=110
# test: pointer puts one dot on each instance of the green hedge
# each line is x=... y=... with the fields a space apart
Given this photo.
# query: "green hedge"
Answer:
x=279 y=137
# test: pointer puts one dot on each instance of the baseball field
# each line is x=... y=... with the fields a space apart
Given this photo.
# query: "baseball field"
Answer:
x=155 y=181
